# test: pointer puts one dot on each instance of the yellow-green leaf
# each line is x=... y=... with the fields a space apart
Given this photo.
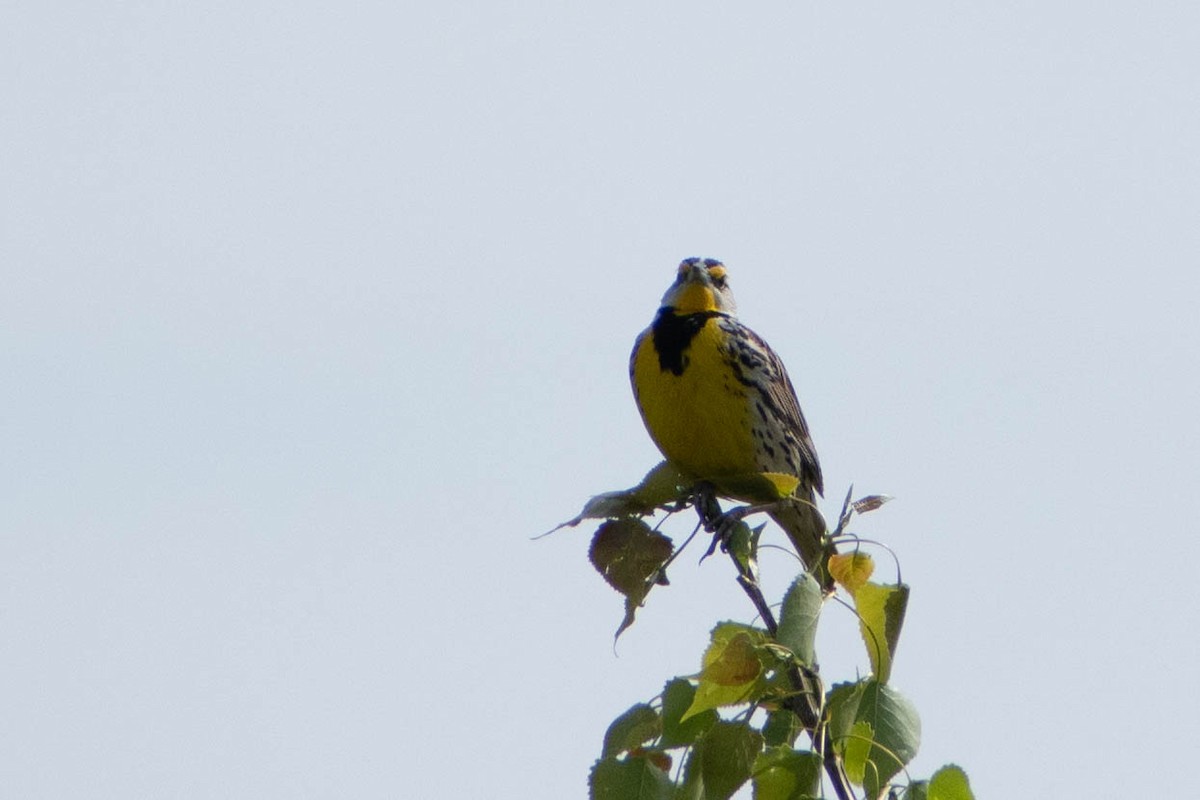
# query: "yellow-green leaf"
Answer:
x=733 y=668
x=856 y=750
x=733 y=663
x=851 y=570
x=881 y=615
x=949 y=783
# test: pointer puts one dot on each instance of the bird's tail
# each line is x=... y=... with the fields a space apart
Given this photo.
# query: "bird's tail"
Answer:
x=805 y=526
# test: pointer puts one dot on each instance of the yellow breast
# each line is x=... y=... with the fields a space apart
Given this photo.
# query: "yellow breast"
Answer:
x=700 y=419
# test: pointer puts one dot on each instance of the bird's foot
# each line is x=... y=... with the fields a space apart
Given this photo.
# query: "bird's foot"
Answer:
x=721 y=525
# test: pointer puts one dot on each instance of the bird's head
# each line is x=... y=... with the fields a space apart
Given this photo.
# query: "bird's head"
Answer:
x=701 y=285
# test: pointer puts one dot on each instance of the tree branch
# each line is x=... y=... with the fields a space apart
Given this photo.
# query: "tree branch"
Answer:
x=805 y=704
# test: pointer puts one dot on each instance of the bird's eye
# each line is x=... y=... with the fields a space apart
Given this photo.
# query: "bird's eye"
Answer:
x=718 y=277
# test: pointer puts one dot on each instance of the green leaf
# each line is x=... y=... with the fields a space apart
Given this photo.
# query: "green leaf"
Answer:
x=677 y=699
x=638 y=725
x=722 y=760
x=876 y=730
x=781 y=773
x=742 y=544
x=664 y=485
x=950 y=783
x=881 y=616
x=692 y=787
x=733 y=670
x=635 y=778
x=798 y=620
x=897 y=727
x=842 y=703
x=628 y=554
x=782 y=727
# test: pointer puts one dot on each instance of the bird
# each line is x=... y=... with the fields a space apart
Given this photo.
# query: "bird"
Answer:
x=718 y=403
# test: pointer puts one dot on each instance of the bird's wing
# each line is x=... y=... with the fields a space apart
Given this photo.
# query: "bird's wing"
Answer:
x=759 y=367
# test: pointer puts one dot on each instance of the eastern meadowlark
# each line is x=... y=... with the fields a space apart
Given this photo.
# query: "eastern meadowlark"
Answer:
x=720 y=406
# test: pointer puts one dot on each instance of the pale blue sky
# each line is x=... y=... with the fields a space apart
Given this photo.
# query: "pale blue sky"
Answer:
x=313 y=314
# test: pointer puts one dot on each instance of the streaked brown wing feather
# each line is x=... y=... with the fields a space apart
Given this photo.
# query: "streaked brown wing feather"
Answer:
x=784 y=396
x=759 y=366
